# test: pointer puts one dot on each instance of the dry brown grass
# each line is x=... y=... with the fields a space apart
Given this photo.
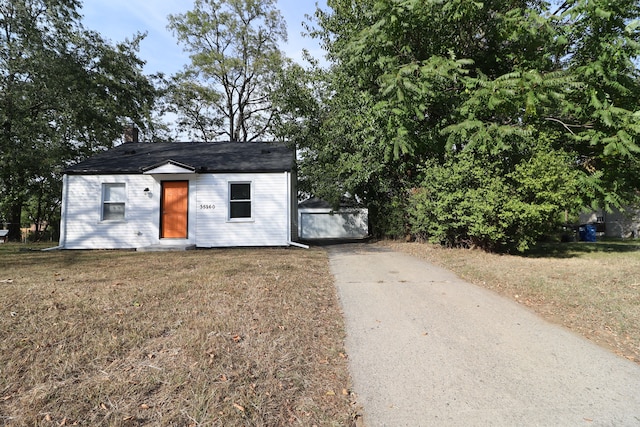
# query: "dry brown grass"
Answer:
x=199 y=338
x=593 y=289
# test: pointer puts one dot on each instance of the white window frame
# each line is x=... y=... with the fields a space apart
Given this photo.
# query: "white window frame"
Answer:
x=250 y=200
x=104 y=201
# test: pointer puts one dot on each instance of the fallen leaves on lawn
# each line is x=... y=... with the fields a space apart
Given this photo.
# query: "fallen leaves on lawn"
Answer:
x=149 y=334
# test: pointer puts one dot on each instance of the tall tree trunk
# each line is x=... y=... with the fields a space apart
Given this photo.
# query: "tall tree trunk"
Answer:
x=15 y=234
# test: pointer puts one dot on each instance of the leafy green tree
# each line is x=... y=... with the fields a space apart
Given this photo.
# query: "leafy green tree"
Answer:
x=465 y=97
x=340 y=139
x=474 y=199
x=235 y=57
x=602 y=117
x=42 y=208
x=193 y=105
x=64 y=93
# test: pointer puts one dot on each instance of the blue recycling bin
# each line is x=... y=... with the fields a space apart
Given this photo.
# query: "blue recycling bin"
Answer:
x=587 y=233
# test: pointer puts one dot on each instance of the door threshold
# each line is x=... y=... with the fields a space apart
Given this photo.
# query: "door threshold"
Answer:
x=166 y=248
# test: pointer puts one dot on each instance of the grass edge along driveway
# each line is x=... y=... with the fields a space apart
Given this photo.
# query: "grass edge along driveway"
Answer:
x=592 y=289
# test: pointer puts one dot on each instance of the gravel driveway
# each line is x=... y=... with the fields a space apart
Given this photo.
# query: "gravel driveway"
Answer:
x=428 y=349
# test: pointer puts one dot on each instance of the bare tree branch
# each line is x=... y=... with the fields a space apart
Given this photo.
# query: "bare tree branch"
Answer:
x=568 y=126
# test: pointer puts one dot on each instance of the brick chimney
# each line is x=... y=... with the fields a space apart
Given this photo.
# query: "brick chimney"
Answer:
x=131 y=133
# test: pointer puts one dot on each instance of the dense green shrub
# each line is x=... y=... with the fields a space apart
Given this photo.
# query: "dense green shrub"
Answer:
x=477 y=200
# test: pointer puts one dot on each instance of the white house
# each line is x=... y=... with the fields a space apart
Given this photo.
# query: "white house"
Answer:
x=150 y=195
x=615 y=224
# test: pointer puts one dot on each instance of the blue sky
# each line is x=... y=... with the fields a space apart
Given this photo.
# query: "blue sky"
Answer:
x=120 y=19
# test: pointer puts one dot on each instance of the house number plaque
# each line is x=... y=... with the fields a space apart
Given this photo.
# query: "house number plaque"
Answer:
x=207 y=207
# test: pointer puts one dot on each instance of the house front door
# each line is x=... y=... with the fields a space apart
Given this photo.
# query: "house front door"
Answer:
x=174 y=209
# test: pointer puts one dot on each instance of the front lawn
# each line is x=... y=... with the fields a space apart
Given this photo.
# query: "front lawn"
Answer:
x=209 y=337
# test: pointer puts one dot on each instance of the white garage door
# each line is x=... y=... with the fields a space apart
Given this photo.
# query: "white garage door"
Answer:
x=337 y=225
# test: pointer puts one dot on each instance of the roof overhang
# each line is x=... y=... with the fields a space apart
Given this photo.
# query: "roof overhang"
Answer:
x=168 y=167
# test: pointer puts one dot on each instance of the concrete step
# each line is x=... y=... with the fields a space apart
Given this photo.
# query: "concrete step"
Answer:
x=166 y=248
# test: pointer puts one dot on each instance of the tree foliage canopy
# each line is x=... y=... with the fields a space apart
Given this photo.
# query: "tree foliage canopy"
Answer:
x=65 y=92
x=235 y=56
x=430 y=107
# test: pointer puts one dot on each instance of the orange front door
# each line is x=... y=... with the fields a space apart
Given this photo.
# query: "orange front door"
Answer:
x=173 y=220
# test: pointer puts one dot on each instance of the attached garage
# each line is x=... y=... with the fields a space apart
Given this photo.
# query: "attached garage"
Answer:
x=318 y=220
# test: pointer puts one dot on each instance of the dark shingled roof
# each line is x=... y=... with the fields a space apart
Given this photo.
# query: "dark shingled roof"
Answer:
x=202 y=157
x=315 y=203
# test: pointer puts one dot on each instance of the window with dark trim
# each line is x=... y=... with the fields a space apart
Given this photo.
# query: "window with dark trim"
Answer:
x=239 y=200
x=113 y=201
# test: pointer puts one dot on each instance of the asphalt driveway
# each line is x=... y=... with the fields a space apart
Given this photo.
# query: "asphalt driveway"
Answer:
x=428 y=349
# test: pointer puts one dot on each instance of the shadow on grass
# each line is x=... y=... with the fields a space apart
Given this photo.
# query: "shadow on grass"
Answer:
x=576 y=249
x=26 y=255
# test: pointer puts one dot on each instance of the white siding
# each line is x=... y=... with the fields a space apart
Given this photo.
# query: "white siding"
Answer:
x=82 y=224
x=209 y=224
x=269 y=208
x=623 y=224
x=326 y=224
x=617 y=224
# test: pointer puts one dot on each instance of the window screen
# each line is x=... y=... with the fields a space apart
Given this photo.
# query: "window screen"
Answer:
x=113 y=201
